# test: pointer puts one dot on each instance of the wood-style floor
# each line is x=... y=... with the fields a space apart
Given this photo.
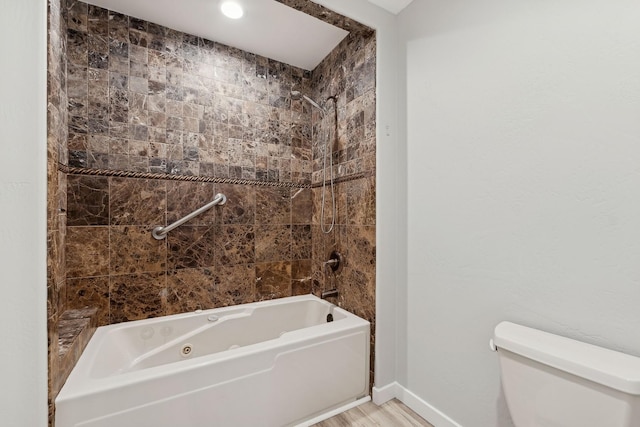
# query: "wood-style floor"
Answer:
x=392 y=414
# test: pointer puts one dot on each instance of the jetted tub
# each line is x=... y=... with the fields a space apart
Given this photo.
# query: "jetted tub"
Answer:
x=271 y=363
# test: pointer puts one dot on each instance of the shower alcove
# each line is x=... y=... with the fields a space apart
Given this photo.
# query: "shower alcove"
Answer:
x=147 y=123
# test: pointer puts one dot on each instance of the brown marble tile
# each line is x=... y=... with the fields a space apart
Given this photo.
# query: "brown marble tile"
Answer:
x=74 y=333
x=190 y=289
x=273 y=205
x=234 y=284
x=273 y=280
x=234 y=244
x=87 y=200
x=87 y=251
x=360 y=268
x=273 y=243
x=241 y=204
x=317 y=217
x=190 y=247
x=301 y=277
x=173 y=116
x=326 y=15
x=90 y=292
x=318 y=252
x=55 y=262
x=301 y=205
x=361 y=201
x=137 y=201
x=185 y=197
x=134 y=250
x=301 y=242
x=137 y=296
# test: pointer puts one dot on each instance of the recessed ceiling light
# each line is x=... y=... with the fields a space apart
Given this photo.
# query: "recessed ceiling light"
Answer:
x=232 y=10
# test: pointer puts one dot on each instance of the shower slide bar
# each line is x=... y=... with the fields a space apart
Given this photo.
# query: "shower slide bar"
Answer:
x=160 y=233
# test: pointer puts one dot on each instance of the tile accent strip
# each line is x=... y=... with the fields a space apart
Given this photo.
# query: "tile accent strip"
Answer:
x=147 y=175
x=346 y=178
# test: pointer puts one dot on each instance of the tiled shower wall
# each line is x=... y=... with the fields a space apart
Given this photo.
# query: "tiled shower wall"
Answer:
x=144 y=98
x=56 y=185
x=348 y=127
x=257 y=246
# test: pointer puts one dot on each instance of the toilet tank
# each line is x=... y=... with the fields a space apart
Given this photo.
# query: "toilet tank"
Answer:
x=553 y=381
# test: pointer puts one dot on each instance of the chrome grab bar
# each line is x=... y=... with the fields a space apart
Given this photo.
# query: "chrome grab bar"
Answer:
x=160 y=233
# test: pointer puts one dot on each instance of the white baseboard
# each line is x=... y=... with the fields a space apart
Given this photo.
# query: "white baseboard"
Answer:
x=385 y=393
x=421 y=407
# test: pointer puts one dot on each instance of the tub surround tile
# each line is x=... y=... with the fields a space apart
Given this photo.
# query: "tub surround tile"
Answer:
x=185 y=197
x=273 y=205
x=300 y=242
x=90 y=292
x=162 y=101
x=326 y=15
x=153 y=70
x=234 y=284
x=273 y=280
x=234 y=244
x=272 y=243
x=137 y=296
x=241 y=204
x=58 y=110
x=134 y=250
x=301 y=277
x=301 y=205
x=88 y=200
x=317 y=217
x=361 y=201
x=190 y=247
x=189 y=290
x=137 y=201
x=87 y=251
x=74 y=330
x=348 y=73
x=362 y=255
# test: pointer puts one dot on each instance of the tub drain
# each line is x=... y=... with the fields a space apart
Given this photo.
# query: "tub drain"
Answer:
x=186 y=350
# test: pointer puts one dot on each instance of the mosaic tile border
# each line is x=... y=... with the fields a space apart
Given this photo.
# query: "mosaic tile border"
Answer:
x=147 y=175
x=347 y=178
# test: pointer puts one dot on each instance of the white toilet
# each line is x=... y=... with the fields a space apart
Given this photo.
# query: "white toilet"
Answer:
x=553 y=381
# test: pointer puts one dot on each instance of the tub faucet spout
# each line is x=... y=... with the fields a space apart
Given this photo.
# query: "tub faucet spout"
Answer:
x=329 y=294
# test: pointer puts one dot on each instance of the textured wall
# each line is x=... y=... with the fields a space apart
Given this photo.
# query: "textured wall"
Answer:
x=523 y=181
x=23 y=217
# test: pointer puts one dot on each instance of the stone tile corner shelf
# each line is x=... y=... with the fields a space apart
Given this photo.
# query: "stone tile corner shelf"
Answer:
x=75 y=329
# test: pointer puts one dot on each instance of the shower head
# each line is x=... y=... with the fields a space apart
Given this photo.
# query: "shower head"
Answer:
x=296 y=95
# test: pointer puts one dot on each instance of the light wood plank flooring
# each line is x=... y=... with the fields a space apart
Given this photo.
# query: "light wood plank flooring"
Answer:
x=392 y=414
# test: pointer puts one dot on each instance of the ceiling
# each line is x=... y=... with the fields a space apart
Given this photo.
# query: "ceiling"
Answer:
x=393 y=6
x=268 y=28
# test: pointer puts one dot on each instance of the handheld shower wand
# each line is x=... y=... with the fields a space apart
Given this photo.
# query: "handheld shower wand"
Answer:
x=297 y=95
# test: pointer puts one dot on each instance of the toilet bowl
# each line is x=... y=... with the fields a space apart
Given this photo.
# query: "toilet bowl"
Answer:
x=553 y=381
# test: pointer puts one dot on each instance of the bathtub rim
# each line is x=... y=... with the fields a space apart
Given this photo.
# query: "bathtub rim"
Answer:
x=81 y=383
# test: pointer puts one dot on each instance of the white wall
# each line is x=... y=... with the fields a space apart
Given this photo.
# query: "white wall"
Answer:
x=23 y=333
x=390 y=216
x=523 y=121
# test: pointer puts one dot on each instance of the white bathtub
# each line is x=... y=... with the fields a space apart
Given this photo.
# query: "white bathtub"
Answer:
x=272 y=363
